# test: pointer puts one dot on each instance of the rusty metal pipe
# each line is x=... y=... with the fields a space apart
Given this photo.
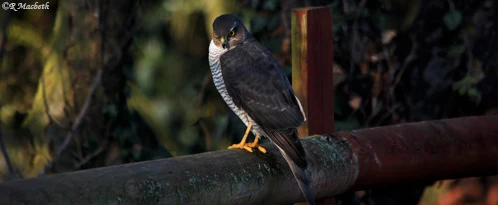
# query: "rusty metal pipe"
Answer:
x=429 y=150
x=432 y=150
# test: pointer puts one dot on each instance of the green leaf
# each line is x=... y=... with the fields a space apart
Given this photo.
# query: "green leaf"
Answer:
x=452 y=19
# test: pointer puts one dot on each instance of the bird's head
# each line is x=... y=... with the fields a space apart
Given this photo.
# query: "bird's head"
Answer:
x=228 y=31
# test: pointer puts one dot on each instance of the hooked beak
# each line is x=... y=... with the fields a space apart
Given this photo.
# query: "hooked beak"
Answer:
x=223 y=42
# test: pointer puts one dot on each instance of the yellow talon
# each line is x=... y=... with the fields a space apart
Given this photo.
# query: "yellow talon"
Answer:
x=256 y=145
x=249 y=146
x=241 y=146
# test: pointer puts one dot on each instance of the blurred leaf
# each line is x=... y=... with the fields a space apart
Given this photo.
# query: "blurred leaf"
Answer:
x=349 y=123
x=452 y=19
x=341 y=101
x=475 y=95
x=122 y=134
x=334 y=4
x=255 y=4
x=274 y=22
x=188 y=136
x=273 y=44
x=288 y=70
x=161 y=152
x=339 y=75
x=461 y=86
x=23 y=33
x=437 y=71
x=381 y=21
x=136 y=152
x=387 y=36
x=270 y=5
x=111 y=110
x=258 y=23
x=456 y=51
x=355 y=102
x=467 y=86
x=337 y=25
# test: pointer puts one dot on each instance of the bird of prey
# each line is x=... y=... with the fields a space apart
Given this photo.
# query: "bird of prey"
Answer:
x=254 y=86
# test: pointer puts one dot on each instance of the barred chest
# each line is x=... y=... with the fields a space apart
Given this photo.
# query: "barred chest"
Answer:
x=215 y=66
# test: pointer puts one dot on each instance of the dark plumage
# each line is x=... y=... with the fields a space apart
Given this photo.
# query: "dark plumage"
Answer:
x=258 y=85
x=254 y=86
x=224 y=23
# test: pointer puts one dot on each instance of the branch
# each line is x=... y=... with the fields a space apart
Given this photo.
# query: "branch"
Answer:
x=5 y=25
x=76 y=123
x=411 y=57
x=413 y=152
x=91 y=156
x=45 y=103
x=86 y=104
x=3 y=42
x=6 y=157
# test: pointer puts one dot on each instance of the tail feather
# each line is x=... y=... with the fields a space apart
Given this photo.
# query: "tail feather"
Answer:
x=301 y=178
x=291 y=148
x=288 y=141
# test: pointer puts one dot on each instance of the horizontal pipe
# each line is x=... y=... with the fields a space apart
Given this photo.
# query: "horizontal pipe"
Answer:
x=462 y=147
x=426 y=151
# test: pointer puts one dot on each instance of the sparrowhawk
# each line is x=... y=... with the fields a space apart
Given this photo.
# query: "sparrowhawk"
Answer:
x=253 y=84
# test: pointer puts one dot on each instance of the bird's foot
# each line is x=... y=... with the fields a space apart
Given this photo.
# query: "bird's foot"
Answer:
x=249 y=146
x=241 y=146
x=257 y=146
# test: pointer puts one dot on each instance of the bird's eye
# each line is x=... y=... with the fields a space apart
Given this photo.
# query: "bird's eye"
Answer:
x=231 y=34
x=216 y=36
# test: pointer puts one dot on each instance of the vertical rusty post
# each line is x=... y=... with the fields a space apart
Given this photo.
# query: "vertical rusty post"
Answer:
x=312 y=68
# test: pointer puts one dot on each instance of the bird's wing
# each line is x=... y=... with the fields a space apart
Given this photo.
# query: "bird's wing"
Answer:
x=257 y=84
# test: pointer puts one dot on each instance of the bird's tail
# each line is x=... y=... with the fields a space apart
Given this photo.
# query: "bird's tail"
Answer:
x=301 y=178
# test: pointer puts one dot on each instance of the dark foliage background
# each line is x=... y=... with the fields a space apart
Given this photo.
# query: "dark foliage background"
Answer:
x=395 y=61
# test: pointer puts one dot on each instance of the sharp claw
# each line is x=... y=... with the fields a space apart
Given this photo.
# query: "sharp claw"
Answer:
x=239 y=146
x=233 y=147
x=261 y=149
x=249 y=149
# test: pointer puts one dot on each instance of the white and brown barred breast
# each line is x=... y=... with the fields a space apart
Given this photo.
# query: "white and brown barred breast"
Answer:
x=215 y=53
